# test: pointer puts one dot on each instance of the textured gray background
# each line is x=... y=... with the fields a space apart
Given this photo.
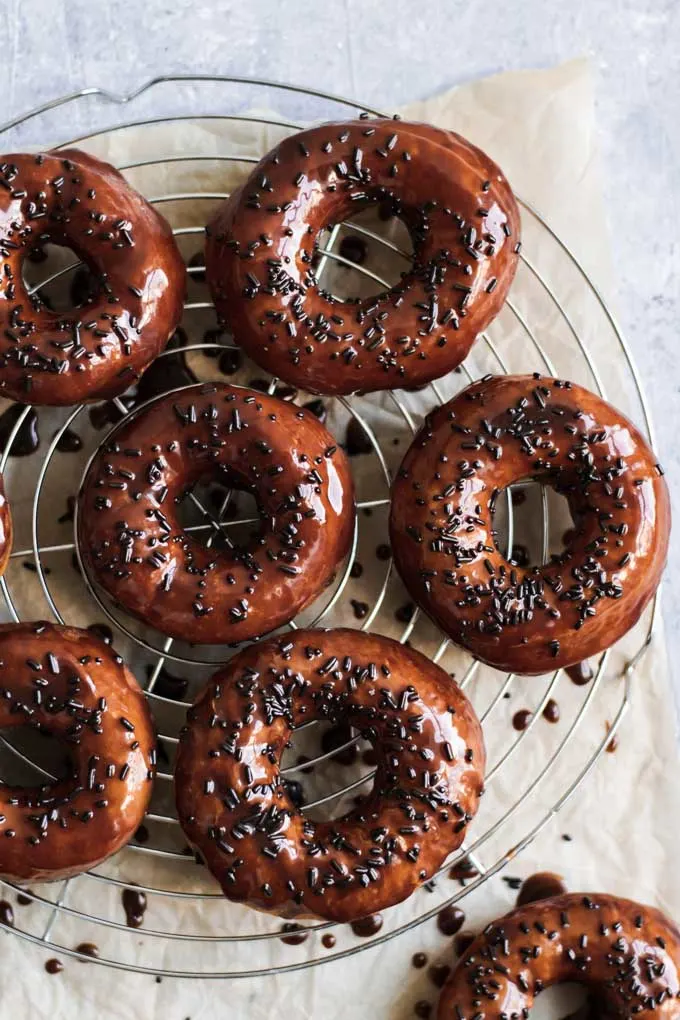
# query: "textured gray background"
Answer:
x=389 y=53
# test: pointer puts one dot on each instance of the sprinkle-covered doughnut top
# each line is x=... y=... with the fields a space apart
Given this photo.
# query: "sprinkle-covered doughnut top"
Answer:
x=235 y=809
x=133 y=543
x=261 y=245
x=68 y=683
x=496 y=432
x=626 y=954
x=100 y=348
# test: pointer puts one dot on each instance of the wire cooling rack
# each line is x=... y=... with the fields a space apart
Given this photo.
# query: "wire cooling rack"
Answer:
x=550 y=323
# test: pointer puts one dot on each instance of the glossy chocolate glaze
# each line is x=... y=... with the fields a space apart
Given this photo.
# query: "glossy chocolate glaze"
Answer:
x=496 y=432
x=626 y=954
x=98 y=349
x=543 y=885
x=68 y=683
x=132 y=542
x=6 y=528
x=233 y=805
x=464 y=225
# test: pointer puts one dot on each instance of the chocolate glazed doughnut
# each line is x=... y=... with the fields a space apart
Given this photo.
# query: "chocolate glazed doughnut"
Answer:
x=100 y=348
x=235 y=809
x=495 y=433
x=261 y=245
x=68 y=683
x=626 y=954
x=133 y=544
x=6 y=529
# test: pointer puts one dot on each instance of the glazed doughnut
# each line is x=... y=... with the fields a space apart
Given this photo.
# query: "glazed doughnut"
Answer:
x=236 y=811
x=133 y=544
x=98 y=349
x=627 y=955
x=6 y=529
x=261 y=243
x=495 y=433
x=68 y=683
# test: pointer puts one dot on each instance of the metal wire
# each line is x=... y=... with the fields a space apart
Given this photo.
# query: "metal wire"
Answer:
x=162 y=649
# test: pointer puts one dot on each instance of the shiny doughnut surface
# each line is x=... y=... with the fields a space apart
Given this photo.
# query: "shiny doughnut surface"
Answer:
x=496 y=432
x=261 y=245
x=626 y=954
x=68 y=683
x=101 y=347
x=235 y=809
x=133 y=543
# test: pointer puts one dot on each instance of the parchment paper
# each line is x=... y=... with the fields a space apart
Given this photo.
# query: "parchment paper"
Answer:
x=622 y=822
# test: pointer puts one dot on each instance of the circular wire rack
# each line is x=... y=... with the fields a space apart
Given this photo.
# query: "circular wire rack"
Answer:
x=542 y=327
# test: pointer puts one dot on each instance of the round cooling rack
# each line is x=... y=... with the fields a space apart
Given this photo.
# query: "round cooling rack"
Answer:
x=555 y=321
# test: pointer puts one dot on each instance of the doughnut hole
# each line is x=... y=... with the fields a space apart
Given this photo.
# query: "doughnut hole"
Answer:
x=73 y=288
x=227 y=504
x=354 y=259
x=345 y=765
x=568 y=1000
x=27 y=753
x=542 y=523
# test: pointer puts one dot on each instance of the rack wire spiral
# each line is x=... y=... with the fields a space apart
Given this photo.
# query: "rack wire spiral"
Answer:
x=184 y=907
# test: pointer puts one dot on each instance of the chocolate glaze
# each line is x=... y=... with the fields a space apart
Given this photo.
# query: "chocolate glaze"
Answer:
x=84 y=287
x=438 y=974
x=462 y=942
x=520 y=719
x=464 y=226
x=162 y=575
x=551 y=712
x=168 y=686
x=613 y=743
x=230 y=361
x=328 y=940
x=295 y=934
x=69 y=512
x=626 y=954
x=463 y=870
x=540 y=886
x=134 y=905
x=102 y=631
x=357 y=439
x=69 y=442
x=360 y=608
x=27 y=438
x=580 y=673
x=107 y=413
x=450 y=920
x=54 y=966
x=317 y=408
x=336 y=737
x=494 y=433
x=354 y=249
x=295 y=792
x=72 y=685
x=88 y=949
x=6 y=913
x=96 y=351
x=234 y=807
x=366 y=927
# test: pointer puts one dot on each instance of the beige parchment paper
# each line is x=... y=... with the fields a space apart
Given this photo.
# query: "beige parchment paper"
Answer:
x=621 y=822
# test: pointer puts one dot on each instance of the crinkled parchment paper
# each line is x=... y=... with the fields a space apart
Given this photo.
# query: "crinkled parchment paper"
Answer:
x=622 y=820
